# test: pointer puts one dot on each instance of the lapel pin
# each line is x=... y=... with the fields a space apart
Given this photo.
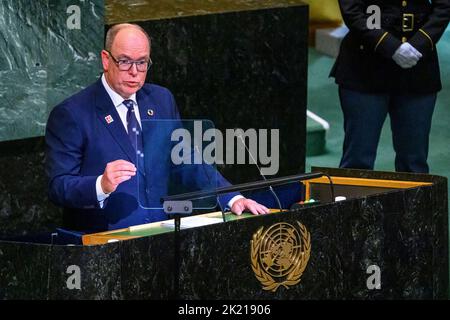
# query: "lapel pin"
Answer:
x=109 y=119
x=150 y=112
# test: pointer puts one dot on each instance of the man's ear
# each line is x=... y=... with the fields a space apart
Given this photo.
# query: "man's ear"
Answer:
x=105 y=60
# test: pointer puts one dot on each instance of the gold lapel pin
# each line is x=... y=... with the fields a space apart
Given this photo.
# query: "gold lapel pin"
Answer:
x=150 y=112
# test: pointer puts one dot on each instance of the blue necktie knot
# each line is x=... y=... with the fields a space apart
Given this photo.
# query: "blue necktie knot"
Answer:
x=129 y=104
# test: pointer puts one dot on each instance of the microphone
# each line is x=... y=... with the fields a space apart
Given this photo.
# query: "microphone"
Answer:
x=261 y=174
x=196 y=148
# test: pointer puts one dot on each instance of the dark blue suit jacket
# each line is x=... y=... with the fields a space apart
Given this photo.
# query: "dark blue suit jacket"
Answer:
x=79 y=144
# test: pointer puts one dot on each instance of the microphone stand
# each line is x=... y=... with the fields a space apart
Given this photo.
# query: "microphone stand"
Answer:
x=243 y=187
x=196 y=148
x=261 y=174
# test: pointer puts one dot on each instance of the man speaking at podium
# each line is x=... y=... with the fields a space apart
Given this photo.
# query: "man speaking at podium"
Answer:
x=92 y=139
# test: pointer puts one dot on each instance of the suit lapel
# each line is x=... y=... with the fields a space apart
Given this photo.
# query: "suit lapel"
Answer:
x=147 y=105
x=108 y=115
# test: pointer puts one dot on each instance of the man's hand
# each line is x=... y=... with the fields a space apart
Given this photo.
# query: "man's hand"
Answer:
x=406 y=56
x=243 y=204
x=115 y=173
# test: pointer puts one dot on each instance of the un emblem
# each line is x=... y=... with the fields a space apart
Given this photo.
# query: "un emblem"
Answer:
x=280 y=254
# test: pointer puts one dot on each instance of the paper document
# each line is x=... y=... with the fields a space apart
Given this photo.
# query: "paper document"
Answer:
x=194 y=221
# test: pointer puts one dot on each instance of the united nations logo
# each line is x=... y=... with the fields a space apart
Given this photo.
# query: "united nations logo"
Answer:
x=281 y=252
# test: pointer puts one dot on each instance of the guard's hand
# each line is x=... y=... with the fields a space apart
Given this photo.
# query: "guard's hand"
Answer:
x=244 y=204
x=115 y=173
x=406 y=56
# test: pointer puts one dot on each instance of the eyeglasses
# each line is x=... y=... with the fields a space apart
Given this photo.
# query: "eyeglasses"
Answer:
x=125 y=64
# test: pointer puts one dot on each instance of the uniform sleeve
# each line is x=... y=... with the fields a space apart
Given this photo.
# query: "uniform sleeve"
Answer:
x=64 y=154
x=429 y=34
x=355 y=17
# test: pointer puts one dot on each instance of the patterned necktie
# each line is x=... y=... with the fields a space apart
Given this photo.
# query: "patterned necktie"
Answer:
x=134 y=130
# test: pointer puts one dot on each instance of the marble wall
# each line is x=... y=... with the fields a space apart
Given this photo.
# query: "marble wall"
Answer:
x=45 y=56
x=24 y=206
x=144 y=10
x=49 y=49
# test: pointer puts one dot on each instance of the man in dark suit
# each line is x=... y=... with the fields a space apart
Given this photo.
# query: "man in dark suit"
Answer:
x=93 y=138
x=390 y=69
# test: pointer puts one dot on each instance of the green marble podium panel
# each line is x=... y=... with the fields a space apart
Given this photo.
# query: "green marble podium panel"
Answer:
x=403 y=232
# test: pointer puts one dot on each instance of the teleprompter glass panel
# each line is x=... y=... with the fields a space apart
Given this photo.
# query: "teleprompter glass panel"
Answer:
x=177 y=157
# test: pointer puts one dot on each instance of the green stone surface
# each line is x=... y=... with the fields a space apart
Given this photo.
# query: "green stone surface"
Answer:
x=42 y=61
x=131 y=10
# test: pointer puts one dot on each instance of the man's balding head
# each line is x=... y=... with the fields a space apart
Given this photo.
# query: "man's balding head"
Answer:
x=129 y=43
x=114 y=30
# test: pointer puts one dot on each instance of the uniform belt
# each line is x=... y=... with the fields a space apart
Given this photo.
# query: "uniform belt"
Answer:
x=406 y=22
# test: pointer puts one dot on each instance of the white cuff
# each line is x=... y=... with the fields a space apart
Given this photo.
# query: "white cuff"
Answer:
x=101 y=196
x=233 y=200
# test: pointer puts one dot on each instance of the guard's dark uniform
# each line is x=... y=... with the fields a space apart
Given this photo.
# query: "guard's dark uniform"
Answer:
x=372 y=85
x=365 y=60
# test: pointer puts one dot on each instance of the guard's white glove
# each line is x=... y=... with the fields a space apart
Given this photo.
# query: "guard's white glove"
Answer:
x=406 y=56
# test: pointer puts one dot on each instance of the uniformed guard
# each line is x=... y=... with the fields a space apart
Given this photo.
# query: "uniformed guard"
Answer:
x=391 y=67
